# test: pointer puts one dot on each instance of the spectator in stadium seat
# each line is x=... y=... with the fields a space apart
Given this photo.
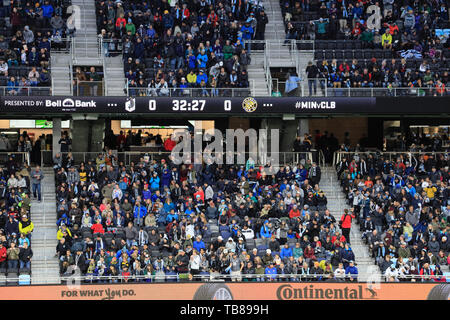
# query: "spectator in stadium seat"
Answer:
x=3 y=257
x=25 y=256
x=13 y=257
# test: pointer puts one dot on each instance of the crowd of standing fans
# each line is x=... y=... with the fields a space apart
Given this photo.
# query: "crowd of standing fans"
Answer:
x=182 y=48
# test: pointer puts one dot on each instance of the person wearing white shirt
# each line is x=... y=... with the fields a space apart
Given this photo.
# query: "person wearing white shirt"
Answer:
x=248 y=233
x=194 y=263
x=339 y=273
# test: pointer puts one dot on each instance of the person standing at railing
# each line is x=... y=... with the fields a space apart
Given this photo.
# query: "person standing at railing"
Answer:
x=65 y=143
x=247 y=33
x=346 y=224
x=94 y=79
x=36 y=179
x=312 y=71
x=262 y=21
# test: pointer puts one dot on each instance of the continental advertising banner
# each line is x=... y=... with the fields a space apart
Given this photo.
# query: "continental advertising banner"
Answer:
x=224 y=106
x=233 y=291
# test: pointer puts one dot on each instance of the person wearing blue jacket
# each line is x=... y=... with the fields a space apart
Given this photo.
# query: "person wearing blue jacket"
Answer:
x=166 y=177
x=154 y=182
x=201 y=77
x=64 y=219
x=202 y=60
x=146 y=193
x=191 y=61
x=123 y=185
x=169 y=205
x=47 y=10
x=286 y=252
x=265 y=231
x=347 y=255
x=139 y=213
x=352 y=271
x=247 y=34
x=198 y=244
x=271 y=272
x=172 y=215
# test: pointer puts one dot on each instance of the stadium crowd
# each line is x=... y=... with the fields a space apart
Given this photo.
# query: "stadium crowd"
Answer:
x=405 y=48
x=402 y=206
x=34 y=28
x=175 y=48
x=17 y=183
x=151 y=219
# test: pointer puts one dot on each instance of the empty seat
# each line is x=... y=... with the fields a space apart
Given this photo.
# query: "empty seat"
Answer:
x=368 y=54
x=319 y=55
x=348 y=45
x=331 y=45
x=387 y=54
x=24 y=280
x=86 y=234
x=378 y=54
x=348 y=54
x=12 y=279
x=320 y=45
x=357 y=54
x=338 y=54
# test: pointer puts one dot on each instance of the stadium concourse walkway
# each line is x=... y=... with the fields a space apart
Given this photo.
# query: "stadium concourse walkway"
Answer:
x=329 y=183
x=44 y=264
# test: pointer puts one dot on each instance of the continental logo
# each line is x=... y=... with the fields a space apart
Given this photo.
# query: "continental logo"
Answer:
x=310 y=292
x=249 y=104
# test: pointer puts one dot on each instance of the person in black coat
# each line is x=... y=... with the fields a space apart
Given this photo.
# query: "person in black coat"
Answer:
x=11 y=226
x=261 y=26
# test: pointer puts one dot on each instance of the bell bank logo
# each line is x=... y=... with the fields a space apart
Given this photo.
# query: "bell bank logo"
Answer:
x=310 y=292
x=70 y=103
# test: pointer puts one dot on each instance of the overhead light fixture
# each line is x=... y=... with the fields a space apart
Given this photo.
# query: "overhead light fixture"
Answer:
x=289 y=116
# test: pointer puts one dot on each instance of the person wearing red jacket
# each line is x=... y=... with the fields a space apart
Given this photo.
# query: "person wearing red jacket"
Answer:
x=3 y=255
x=294 y=212
x=97 y=228
x=169 y=144
x=346 y=224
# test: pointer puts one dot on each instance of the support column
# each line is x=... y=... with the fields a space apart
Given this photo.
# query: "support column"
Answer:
x=303 y=127
x=56 y=147
x=80 y=130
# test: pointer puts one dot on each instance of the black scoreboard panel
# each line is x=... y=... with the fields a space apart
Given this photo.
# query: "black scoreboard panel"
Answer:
x=245 y=106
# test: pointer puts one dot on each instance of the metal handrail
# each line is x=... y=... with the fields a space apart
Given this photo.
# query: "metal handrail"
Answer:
x=285 y=158
x=4 y=90
x=71 y=66
x=186 y=277
x=268 y=73
x=147 y=91
x=25 y=155
x=100 y=83
x=338 y=155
